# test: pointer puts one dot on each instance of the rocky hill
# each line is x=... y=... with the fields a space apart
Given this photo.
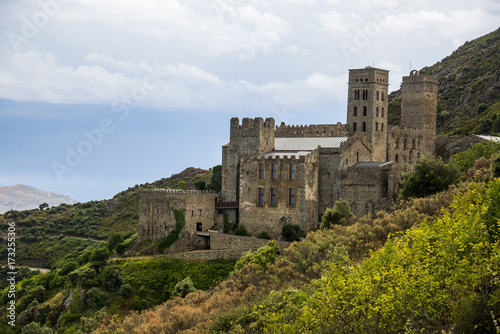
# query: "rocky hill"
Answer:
x=468 y=89
x=21 y=197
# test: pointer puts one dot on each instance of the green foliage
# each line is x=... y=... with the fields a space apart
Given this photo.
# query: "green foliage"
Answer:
x=43 y=206
x=126 y=291
x=340 y=214
x=184 y=287
x=264 y=235
x=465 y=160
x=99 y=257
x=261 y=257
x=112 y=279
x=440 y=277
x=216 y=179
x=200 y=185
x=115 y=239
x=241 y=230
x=428 y=177
x=173 y=236
x=36 y=328
x=181 y=185
x=96 y=298
x=90 y=323
x=292 y=232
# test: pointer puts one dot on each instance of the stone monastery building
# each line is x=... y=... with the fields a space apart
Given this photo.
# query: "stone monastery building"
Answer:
x=274 y=175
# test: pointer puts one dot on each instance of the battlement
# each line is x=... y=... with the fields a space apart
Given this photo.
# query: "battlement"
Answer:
x=250 y=127
x=176 y=191
x=415 y=77
x=288 y=157
x=313 y=130
x=401 y=130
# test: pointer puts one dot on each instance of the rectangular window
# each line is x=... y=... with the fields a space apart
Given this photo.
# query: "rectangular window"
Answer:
x=291 y=197
x=260 y=196
x=273 y=196
x=273 y=171
x=292 y=171
x=192 y=213
x=208 y=213
x=200 y=212
x=261 y=171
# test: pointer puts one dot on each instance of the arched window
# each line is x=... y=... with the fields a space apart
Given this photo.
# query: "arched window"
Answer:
x=357 y=156
x=378 y=95
x=356 y=94
x=355 y=111
x=376 y=126
x=413 y=144
x=396 y=157
x=382 y=112
x=376 y=111
x=364 y=126
x=383 y=96
x=405 y=144
x=354 y=125
x=364 y=111
x=397 y=142
x=381 y=126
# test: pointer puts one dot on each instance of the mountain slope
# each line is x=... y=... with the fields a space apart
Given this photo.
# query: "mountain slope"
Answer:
x=468 y=88
x=21 y=197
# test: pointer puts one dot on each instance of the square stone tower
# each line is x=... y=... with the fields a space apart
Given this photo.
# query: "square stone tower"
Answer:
x=367 y=107
x=419 y=107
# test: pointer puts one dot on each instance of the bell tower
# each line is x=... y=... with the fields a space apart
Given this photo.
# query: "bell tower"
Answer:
x=367 y=108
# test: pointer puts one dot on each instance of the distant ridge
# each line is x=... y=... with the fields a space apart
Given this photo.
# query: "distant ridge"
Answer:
x=21 y=197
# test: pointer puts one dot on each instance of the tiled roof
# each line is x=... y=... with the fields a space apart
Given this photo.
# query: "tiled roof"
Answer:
x=307 y=143
x=371 y=164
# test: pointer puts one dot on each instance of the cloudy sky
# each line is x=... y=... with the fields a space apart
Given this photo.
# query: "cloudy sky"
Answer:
x=100 y=95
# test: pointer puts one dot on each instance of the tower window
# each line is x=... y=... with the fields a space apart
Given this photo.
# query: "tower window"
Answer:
x=356 y=94
x=357 y=156
x=377 y=111
x=396 y=157
x=364 y=111
x=405 y=144
x=273 y=171
x=376 y=126
x=355 y=111
x=383 y=97
x=292 y=171
x=354 y=125
x=381 y=126
x=260 y=196
x=261 y=171
x=382 y=112
x=378 y=95
x=364 y=126
x=397 y=142
x=413 y=144
x=291 y=197
x=273 y=196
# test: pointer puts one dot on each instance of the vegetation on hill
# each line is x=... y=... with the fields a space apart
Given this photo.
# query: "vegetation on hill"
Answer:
x=468 y=89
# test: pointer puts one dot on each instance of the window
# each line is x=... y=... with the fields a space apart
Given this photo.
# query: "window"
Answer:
x=382 y=96
x=355 y=111
x=364 y=126
x=381 y=126
x=377 y=111
x=260 y=197
x=192 y=213
x=208 y=212
x=413 y=144
x=405 y=145
x=364 y=111
x=356 y=94
x=273 y=171
x=292 y=171
x=396 y=157
x=291 y=197
x=382 y=112
x=354 y=127
x=199 y=227
x=261 y=171
x=357 y=156
x=378 y=95
x=376 y=126
x=200 y=212
x=397 y=142
x=273 y=196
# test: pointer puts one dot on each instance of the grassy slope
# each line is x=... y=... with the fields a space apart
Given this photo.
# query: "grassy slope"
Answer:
x=467 y=78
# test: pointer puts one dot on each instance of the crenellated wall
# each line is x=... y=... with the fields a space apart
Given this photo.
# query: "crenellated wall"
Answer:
x=313 y=130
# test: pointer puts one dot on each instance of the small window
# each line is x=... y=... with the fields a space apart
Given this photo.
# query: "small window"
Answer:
x=291 y=197
x=376 y=126
x=199 y=227
x=292 y=171
x=383 y=97
x=273 y=196
x=381 y=126
x=357 y=156
x=261 y=171
x=354 y=125
x=405 y=144
x=377 y=111
x=378 y=96
x=396 y=158
x=364 y=111
x=192 y=213
x=208 y=213
x=382 y=112
x=355 y=111
x=200 y=212
x=413 y=144
x=273 y=171
x=364 y=126
x=397 y=142
x=260 y=196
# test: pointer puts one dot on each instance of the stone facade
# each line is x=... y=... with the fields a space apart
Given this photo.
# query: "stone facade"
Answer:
x=288 y=174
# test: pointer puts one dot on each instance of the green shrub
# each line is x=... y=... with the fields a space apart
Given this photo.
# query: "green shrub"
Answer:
x=340 y=214
x=241 y=230
x=261 y=257
x=184 y=287
x=115 y=239
x=292 y=232
x=173 y=236
x=96 y=298
x=264 y=235
x=126 y=291
x=112 y=279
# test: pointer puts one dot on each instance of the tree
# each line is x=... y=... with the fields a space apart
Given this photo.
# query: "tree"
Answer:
x=428 y=177
x=99 y=257
x=338 y=215
x=115 y=239
x=261 y=257
x=43 y=206
x=36 y=328
x=200 y=185
x=216 y=179
x=241 y=230
x=181 y=185
x=292 y=232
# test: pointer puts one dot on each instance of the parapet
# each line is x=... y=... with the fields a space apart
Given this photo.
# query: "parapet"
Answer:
x=415 y=76
x=313 y=130
x=250 y=127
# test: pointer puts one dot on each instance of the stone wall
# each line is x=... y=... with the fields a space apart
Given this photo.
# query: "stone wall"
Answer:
x=156 y=217
x=313 y=130
x=271 y=217
x=368 y=189
x=330 y=178
x=219 y=241
x=405 y=145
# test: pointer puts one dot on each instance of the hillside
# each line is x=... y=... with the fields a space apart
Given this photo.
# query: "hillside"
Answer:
x=42 y=231
x=468 y=89
x=21 y=197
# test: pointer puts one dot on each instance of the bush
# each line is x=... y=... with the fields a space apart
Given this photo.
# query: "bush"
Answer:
x=115 y=239
x=36 y=328
x=112 y=279
x=260 y=257
x=99 y=257
x=184 y=287
x=264 y=235
x=125 y=291
x=96 y=298
x=428 y=177
x=338 y=215
x=241 y=230
x=180 y=220
x=292 y=232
